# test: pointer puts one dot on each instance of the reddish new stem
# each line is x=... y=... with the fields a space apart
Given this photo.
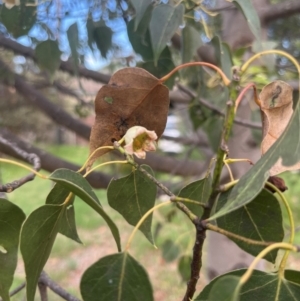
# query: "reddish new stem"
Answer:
x=242 y=94
x=225 y=79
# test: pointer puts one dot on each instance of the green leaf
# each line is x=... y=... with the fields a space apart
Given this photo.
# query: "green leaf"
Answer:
x=72 y=34
x=191 y=41
x=100 y=34
x=19 y=19
x=132 y=196
x=165 y=65
x=37 y=238
x=164 y=23
x=117 y=277
x=184 y=267
x=57 y=196
x=261 y=286
x=226 y=289
x=251 y=16
x=260 y=220
x=223 y=55
x=140 y=7
x=286 y=147
x=143 y=26
x=197 y=191
x=11 y=219
x=170 y=251
x=77 y=184
x=141 y=44
x=44 y=51
x=103 y=38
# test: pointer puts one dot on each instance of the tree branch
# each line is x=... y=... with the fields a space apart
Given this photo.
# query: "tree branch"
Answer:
x=280 y=10
x=246 y=123
x=46 y=280
x=48 y=161
x=38 y=100
x=67 y=66
x=43 y=291
x=32 y=158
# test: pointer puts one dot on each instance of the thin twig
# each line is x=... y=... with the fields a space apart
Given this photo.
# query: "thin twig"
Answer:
x=43 y=291
x=45 y=279
x=196 y=263
x=29 y=157
x=179 y=205
x=214 y=109
x=235 y=236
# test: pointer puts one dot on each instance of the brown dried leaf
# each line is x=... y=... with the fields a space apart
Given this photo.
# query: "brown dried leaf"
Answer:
x=276 y=101
x=132 y=97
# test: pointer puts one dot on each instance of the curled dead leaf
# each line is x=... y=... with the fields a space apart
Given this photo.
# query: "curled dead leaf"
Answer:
x=278 y=182
x=132 y=97
x=276 y=100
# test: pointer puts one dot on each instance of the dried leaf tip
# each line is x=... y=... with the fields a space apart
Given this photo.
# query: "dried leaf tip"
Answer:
x=138 y=141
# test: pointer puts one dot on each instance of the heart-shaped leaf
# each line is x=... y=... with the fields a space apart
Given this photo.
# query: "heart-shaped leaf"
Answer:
x=117 y=277
x=11 y=219
x=276 y=101
x=132 y=97
x=197 y=191
x=164 y=22
x=37 y=238
x=57 y=196
x=132 y=196
x=261 y=286
x=261 y=219
x=77 y=184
